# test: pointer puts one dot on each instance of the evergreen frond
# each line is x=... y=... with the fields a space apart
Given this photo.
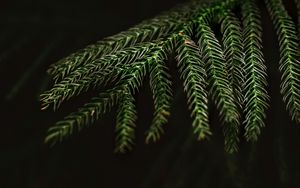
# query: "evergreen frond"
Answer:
x=231 y=72
x=256 y=96
x=85 y=115
x=98 y=106
x=125 y=125
x=160 y=85
x=234 y=53
x=102 y=70
x=152 y=29
x=192 y=72
x=289 y=57
x=219 y=86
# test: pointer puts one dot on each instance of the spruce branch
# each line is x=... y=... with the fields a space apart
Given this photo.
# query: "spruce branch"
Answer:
x=289 y=57
x=256 y=96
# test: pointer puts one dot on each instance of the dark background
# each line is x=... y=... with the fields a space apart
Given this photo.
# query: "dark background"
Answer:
x=36 y=33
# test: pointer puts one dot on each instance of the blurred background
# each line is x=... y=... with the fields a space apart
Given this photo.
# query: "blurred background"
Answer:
x=37 y=33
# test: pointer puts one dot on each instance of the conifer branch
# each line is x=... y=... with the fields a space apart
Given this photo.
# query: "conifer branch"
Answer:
x=234 y=53
x=84 y=116
x=219 y=86
x=256 y=96
x=105 y=69
x=125 y=125
x=192 y=72
x=152 y=29
x=231 y=72
x=98 y=106
x=160 y=85
x=289 y=57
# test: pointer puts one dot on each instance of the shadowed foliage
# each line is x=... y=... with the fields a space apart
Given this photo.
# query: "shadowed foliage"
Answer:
x=217 y=46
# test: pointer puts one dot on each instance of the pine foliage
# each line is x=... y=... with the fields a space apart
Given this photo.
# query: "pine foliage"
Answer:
x=232 y=40
x=160 y=85
x=125 y=124
x=226 y=67
x=219 y=86
x=192 y=72
x=289 y=57
x=155 y=28
x=256 y=96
